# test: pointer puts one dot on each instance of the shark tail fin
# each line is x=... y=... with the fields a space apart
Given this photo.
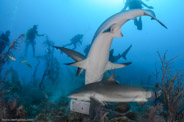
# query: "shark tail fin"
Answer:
x=126 y=52
x=124 y=57
x=111 y=65
x=94 y=104
x=152 y=14
x=80 y=64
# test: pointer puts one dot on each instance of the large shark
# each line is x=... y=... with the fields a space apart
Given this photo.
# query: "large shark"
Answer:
x=97 y=61
x=111 y=91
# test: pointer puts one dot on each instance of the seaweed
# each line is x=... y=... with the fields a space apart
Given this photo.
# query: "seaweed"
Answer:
x=172 y=89
x=5 y=57
x=52 y=67
x=170 y=106
x=10 y=107
x=151 y=112
x=34 y=74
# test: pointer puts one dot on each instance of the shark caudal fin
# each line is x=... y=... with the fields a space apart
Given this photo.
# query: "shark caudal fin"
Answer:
x=111 y=65
x=126 y=52
x=74 y=55
x=152 y=14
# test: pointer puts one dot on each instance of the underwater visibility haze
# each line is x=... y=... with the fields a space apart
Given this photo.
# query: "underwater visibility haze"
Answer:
x=50 y=50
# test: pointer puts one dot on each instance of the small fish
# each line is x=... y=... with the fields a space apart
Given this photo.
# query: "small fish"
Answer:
x=12 y=57
x=20 y=36
x=23 y=61
x=45 y=94
x=29 y=65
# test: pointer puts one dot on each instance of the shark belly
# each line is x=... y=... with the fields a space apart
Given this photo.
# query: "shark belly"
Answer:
x=98 y=58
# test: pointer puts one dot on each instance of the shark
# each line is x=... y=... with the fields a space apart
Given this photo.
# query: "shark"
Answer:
x=111 y=91
x=125 y=52
x=97 y=61
x=113 y=58
x=98 y=93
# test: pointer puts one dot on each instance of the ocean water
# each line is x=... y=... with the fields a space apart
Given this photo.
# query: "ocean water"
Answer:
x=44 y=79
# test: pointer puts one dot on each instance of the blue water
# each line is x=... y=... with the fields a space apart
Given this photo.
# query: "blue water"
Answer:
x=63 y=19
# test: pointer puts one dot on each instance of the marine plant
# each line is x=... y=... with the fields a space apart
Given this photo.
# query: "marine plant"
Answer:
x=52 y=67
x=15 y=44
x=34 y=79
x=170 y=106
x=172 y=89
x=10 y=107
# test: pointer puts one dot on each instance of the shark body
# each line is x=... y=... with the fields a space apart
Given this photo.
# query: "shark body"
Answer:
x=97 y=61
x=111 y=91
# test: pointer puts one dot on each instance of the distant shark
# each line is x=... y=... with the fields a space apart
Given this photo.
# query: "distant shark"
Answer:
x=111 y=91
x=97 y=61
x=113 y=58
x=125 y=52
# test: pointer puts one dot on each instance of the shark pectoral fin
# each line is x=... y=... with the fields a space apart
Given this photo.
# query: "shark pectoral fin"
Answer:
x=79 y=70
x=80 y=64
x=115 y=30
x=118 y=33
x=71 y=53
x=94 y=103
x=151 y=14
x=111 y=65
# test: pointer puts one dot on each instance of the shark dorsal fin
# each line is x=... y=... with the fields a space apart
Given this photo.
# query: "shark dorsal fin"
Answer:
x=112 y=78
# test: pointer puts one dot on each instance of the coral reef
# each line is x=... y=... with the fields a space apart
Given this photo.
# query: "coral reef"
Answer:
x=10 y=107
x=173 y=91
x=34 y=101
x=151 y=112
x=170 y=106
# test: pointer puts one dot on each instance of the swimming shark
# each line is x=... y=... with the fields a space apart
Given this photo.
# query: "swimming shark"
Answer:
x=125 y=52
x=113 y=58
x=114 y=23
x=97 y=61
x=111 y=91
